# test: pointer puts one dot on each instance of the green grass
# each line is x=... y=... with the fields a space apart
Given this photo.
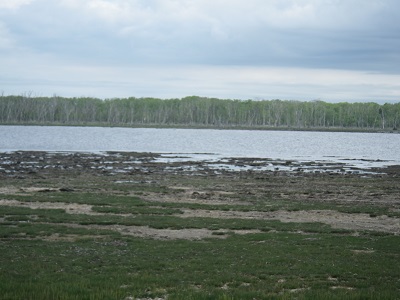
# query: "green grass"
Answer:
x=44 y=257
x=261 y=266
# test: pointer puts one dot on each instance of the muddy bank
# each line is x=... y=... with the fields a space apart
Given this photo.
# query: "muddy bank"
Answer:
x=22 y=163
x=235 y=188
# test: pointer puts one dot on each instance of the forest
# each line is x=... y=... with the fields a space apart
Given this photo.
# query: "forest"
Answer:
x=195 y=111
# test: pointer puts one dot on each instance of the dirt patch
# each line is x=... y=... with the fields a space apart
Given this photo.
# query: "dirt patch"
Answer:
x=9 y=190
x=163 y=234
x=71 y=208
x=357 y=222
x=363 y=251
x=191 y=195
x=70 y=237
x=342 y=288
x=333 y=218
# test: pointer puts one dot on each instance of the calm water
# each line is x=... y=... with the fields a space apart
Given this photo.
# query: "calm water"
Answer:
x=366 y=149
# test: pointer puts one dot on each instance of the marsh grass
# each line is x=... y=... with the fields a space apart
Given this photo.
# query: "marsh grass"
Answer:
x=23 y=216
x=42 y=258
x=120 y=204
x=262 y=266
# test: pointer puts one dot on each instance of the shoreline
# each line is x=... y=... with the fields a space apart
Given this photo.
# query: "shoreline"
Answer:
x=215 y=127
x=126 y=162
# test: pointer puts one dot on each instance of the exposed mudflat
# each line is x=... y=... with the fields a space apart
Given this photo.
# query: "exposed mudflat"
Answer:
x=235 y=188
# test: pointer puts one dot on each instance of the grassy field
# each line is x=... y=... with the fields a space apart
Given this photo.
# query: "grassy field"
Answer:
x=80 y=233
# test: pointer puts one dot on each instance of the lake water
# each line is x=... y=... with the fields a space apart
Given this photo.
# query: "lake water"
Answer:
x=359 y=149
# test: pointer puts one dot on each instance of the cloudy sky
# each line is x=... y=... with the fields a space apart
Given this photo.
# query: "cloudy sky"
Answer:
x=333 y=50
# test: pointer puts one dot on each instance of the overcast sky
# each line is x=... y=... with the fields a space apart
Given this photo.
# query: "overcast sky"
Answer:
x=333 y=50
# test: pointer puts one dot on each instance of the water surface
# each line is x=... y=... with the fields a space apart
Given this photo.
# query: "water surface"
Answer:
x=360 y=149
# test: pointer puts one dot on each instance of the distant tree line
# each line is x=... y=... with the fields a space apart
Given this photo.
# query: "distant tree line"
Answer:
x=197 y=111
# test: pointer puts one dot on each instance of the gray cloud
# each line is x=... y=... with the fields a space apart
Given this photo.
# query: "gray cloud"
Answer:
x=355 y=35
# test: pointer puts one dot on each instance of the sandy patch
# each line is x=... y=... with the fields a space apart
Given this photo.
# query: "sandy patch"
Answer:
x=71 y=208
x=363 y=251
x=333 y=218
x=162 y=234
x=356 y=222
x=9 y=190
x=190 y=195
